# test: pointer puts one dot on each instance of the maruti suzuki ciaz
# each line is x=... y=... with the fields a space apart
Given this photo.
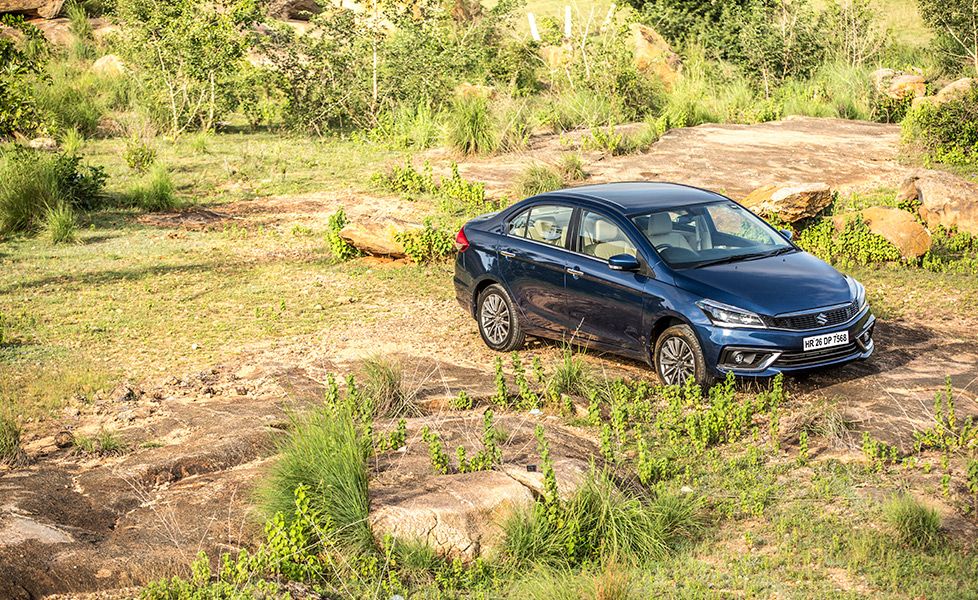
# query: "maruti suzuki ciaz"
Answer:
x=682 y=278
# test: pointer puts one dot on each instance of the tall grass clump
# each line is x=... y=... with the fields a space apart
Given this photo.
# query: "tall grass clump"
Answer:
x=571 y=375
x=10 y=452
x=326 y=452
x=537 y=179
x=571 y=168
x=912 y=523
x=408 y=126
x=470 y=128
x=155 y=193
x=600 y=521
x=60 y=223
x=382 y=383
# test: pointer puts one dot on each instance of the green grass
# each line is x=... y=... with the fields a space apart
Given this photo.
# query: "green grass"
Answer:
x=60 y=223
x=382 y=383
x=471 y=127
x=912 y=523
x=537 y=179
x=325 y=452
x=156 y=192
x=105 y=443
x=9 y=438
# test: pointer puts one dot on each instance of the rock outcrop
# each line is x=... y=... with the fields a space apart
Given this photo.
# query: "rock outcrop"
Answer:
x=376 y=238
x=46 y=9
x=652 y=54
x=294 y=9
x=896 y=226
x=109 y=65
x=945 y=199
x=790 y=202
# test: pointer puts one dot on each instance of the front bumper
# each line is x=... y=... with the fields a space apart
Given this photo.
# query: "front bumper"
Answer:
x=780 y=350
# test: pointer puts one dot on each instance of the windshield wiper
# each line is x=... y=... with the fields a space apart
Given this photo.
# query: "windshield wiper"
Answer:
x=739 y=257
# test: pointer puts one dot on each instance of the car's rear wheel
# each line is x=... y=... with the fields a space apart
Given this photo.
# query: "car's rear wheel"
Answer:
x=679 y=358
x=498 y=323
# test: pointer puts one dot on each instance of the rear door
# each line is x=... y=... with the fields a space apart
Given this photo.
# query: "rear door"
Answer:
x=534 y=258
x=606 y=307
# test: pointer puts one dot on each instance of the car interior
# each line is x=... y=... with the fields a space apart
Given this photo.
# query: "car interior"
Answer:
x=603 y=239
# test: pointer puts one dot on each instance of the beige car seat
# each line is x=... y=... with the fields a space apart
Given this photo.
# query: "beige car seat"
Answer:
x=662 y=233
x=614 y=241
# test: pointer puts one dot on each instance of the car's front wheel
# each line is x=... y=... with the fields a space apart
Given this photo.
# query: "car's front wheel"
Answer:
x=679 y=358
x=498 y=323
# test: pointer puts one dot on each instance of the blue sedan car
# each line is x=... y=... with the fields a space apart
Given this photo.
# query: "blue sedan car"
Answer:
x=684 y=279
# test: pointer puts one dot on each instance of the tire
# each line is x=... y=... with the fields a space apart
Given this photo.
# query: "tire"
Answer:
x=498 y=322
x=677 y=356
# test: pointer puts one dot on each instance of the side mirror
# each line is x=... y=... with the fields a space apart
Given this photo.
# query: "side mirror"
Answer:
x=624 y=262
x=788 y=234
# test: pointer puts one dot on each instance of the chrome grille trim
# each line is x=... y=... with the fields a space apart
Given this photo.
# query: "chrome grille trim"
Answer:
x=835 y=315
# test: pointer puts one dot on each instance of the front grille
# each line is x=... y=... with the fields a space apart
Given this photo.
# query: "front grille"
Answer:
x=814 y=357
x=809 y=320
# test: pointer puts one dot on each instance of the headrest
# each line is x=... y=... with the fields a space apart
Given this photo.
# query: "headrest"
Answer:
x=605 y=230
x=660 y=224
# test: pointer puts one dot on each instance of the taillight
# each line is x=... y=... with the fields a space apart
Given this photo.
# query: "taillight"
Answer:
x=461 y=242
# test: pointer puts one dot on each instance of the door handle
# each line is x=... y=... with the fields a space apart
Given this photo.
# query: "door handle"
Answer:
x=507 y=253
x=575 y=272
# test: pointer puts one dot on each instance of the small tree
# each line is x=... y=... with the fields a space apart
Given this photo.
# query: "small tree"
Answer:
x=186 y=54
x=956 y=22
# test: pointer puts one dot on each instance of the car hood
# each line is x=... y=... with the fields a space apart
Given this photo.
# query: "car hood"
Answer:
x=770 y=286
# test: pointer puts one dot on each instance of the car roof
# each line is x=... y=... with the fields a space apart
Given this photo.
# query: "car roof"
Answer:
x=638 y=196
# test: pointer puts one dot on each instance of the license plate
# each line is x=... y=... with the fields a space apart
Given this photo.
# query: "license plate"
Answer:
x=818 y=342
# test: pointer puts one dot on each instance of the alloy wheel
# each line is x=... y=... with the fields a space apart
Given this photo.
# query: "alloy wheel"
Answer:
x=495 y=319
x=676 y=361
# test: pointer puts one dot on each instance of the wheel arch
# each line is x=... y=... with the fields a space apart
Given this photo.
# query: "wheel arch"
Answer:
x=478 y=288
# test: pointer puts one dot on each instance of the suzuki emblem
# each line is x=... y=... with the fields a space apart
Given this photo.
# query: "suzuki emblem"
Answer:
x=821 y=319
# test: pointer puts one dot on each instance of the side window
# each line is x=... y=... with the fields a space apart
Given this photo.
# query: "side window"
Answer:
x=545 y=223
x=601 y=238
x=517 y=226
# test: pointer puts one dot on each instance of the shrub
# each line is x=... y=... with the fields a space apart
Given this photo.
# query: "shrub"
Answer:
x=382 y=384
x=338 y=247
x=10 y=452
x=104 y=443
x=408 y=126
x=59 y=223
x=571 y=168
x=155 y=193
x=855 y=243
x=325 y=452
x=537 y=179
x=139 y=155
x=72 y=142
x=32 y=182
x=470 y=127
x=427 y=244
x=782 y=42
x=912 y=523
x=18 y=107
x=945 y=133
x=571 y=375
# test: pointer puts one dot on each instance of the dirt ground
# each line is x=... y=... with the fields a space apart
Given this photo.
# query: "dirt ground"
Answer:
x=71 y=523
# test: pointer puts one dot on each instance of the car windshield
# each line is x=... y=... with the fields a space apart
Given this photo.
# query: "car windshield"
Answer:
x=710 y=233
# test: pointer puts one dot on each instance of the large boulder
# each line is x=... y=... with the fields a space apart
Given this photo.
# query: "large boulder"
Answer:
x=294 y=9
x=945 y=199
x=898 y=84
x=46 y=9
x=898 y=227
x=460 y=518
x=56 y=31
x=789 y=202
x=652 y=54
x=376 y=238
x=954 y=90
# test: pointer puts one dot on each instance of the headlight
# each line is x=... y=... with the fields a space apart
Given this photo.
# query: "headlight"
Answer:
x=725 y=315
x=858 y=293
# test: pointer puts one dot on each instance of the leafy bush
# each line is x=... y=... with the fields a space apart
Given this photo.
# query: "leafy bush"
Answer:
x=325 y=453
x=912 y=523
x=155 y=193
x=60 y=224
x=338 y=247
x=33 y=182
x=537 y=179
x=781 y=43
x=470 y=127
x=18 y=107
x=427 y=244
x=456 y=195
x=139 y=155
x=945 y=133
x=855 y=243
x=717 y=24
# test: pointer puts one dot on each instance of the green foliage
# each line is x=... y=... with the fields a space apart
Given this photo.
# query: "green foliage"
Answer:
x=338 y=247
x=527 y=399
x=426 y=244
x=394 y=440
x=32 y=182
x=407 y=126
x=956 y=24
x=9 y=439
x=501 y=397
x=946 y=133
x=854 y=244
x=325 y=452
x=470 y=127
x=155 y=192
x=803 y=448
x=462 y=401
x=139 y=154
x=489 y=456
x=72 y=142
x=781 y=42
x=105 y=443
x=456 y=196
x=18 y=106
x=436 y=450
x=185 y=55
x=683 y=21
x=383 y=386
x=878 y=453
x=912 y=523
x=60 y=223
x=537 y=179
x=948 y=433
x=972 y=476
x=571 y=168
